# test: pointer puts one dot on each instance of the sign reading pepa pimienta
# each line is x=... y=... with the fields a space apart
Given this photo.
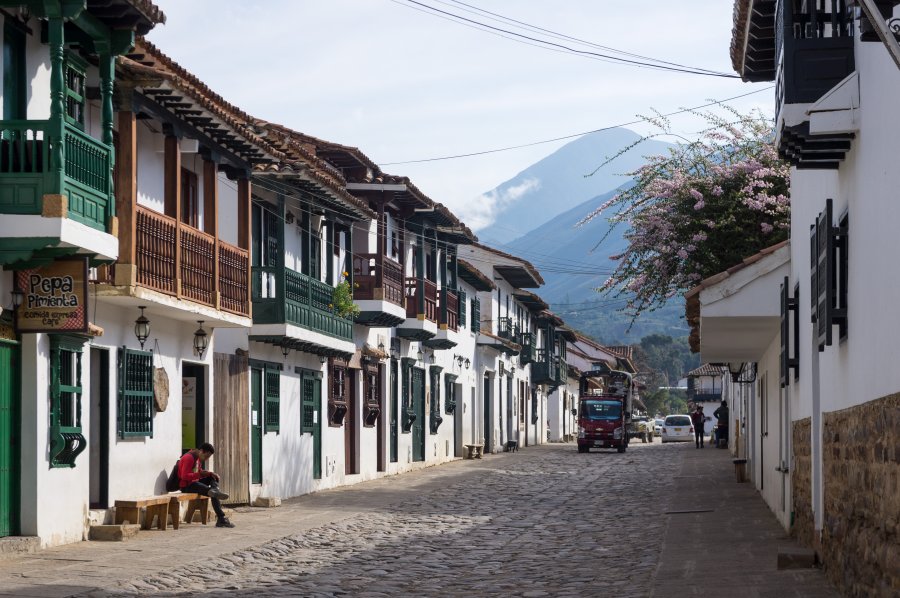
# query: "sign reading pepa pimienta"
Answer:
x=55 y=297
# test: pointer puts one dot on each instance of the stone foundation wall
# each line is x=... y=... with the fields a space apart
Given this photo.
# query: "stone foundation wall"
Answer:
x=803 y=526
x=861 y=470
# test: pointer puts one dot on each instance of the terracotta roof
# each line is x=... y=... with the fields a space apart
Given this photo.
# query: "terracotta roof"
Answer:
x=446 y=215
x=528 y=265
x=739 y=33
x=531 y=300
x=286 y=153
x=623 y=351
x=753 y=34
x=707 y=369
x=149 y=10
x=322 y=146
x=474 y=277
x=692 y=297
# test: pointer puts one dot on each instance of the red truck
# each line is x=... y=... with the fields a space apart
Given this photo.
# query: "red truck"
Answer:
x=604 y=416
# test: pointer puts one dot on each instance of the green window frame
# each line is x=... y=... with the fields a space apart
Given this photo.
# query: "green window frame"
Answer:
x=66 y=439
x=450 y=394
x=272 y=394
x=434 y=408
x=15 y=84
x=134 y=416
x=463 y=307
x=74 y=76
x=476 y=315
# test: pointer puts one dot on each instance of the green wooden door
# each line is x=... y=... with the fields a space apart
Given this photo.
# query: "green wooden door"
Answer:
x=256 y=425
x=418 y=428
x=395 y=408
x=312 y=424
x=9 y=439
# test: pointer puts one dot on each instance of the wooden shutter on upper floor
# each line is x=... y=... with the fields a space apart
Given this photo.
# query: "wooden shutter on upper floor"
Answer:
x=790 y=327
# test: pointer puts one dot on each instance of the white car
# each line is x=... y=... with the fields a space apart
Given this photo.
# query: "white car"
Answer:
x=657 y=428
x=677 y=428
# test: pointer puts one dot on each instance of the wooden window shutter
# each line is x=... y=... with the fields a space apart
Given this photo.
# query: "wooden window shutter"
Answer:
x=831 y=275
x=434 y=407
x=135 y=408
x=790 y=328
x=273 y=399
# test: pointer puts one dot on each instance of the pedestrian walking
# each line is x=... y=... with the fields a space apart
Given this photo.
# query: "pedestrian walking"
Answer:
x=721 y=415
x=193 y=478
x=697 y=418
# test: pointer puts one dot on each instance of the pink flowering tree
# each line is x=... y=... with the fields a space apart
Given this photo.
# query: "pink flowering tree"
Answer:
x=704 y=207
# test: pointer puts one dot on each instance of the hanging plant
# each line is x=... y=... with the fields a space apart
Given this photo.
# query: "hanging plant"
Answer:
x=342 y=299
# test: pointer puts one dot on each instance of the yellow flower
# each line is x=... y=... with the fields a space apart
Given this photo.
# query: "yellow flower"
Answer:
x=345 y=274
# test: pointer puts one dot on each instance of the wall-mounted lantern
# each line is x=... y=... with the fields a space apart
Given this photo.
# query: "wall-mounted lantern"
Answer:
x=142 y=327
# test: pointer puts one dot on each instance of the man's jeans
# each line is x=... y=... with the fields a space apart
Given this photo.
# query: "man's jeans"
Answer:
x=698 y=436
x=202 y=486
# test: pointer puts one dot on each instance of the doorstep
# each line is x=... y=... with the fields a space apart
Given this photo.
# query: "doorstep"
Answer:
x=13 y=546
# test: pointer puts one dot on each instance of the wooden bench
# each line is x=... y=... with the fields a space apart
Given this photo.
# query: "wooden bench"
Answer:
x=195 y=502
x=157 y=507
x=473 y=451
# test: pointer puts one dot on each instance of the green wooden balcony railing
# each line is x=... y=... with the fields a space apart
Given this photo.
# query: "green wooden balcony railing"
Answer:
x=548 y=369
x=29 y=170
x=526 y=356
x=283 y=296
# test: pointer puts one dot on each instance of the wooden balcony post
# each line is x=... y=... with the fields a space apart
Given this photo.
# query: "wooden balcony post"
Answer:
x=211 y=219
x=245 y=230
x=172 y=178
x=126 y=198
x=444 y=287
x=56 y=37
x=420 y=276
x=381 y=234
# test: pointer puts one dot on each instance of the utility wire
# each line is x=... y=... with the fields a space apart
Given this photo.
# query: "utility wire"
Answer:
x=573 y=135
x=575 y=51
x=557 y=35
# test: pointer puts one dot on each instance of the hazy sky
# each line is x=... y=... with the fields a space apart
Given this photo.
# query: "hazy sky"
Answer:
x=403 y=85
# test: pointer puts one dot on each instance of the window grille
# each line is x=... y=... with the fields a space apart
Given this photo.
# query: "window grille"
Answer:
x=134 y=417
x=273 y=399
x=66 y=440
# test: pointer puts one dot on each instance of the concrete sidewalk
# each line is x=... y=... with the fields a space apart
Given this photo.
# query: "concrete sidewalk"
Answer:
x=728 y=545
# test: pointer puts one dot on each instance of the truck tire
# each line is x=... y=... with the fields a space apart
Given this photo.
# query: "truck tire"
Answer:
x=650 y=437
x=644 y=438
x=582 y=449
x=621 y=448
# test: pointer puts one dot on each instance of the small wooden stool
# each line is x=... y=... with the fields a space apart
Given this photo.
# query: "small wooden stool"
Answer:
x=195 y=502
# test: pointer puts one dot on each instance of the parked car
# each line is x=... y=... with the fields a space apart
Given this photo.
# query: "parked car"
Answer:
x=677 y=428
x=657 y=428
x=642 y=427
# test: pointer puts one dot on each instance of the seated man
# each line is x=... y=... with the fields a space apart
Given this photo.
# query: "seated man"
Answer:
x=192 y=478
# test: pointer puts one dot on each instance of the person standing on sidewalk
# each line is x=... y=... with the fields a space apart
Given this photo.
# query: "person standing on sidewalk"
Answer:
x=193 y=478
x=697 y=419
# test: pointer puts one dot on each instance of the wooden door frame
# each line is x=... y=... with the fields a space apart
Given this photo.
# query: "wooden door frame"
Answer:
x=15 y=394
x=103 y=430
x=351 y=423
x=254 y=454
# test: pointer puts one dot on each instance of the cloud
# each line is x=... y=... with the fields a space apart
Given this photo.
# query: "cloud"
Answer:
x=483 y=211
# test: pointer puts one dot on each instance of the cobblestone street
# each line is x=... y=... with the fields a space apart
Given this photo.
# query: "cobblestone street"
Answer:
x=543 y=521
x=537 y=522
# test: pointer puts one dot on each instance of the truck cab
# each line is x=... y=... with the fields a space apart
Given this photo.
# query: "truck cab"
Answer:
x=604 y=416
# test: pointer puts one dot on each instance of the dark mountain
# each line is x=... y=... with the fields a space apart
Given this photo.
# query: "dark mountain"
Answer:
x=558 y=183
x=538 y=211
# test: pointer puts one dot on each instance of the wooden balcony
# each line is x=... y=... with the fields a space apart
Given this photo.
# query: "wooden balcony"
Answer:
x=508 y=329
x=704 y=396
x=30 y=169
x=421 y=310
x=211 y=272
x=379 y=290
x=548 y=369
x=526 y=339
x=283 y=296
x=429 y=309
x=449 y=310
